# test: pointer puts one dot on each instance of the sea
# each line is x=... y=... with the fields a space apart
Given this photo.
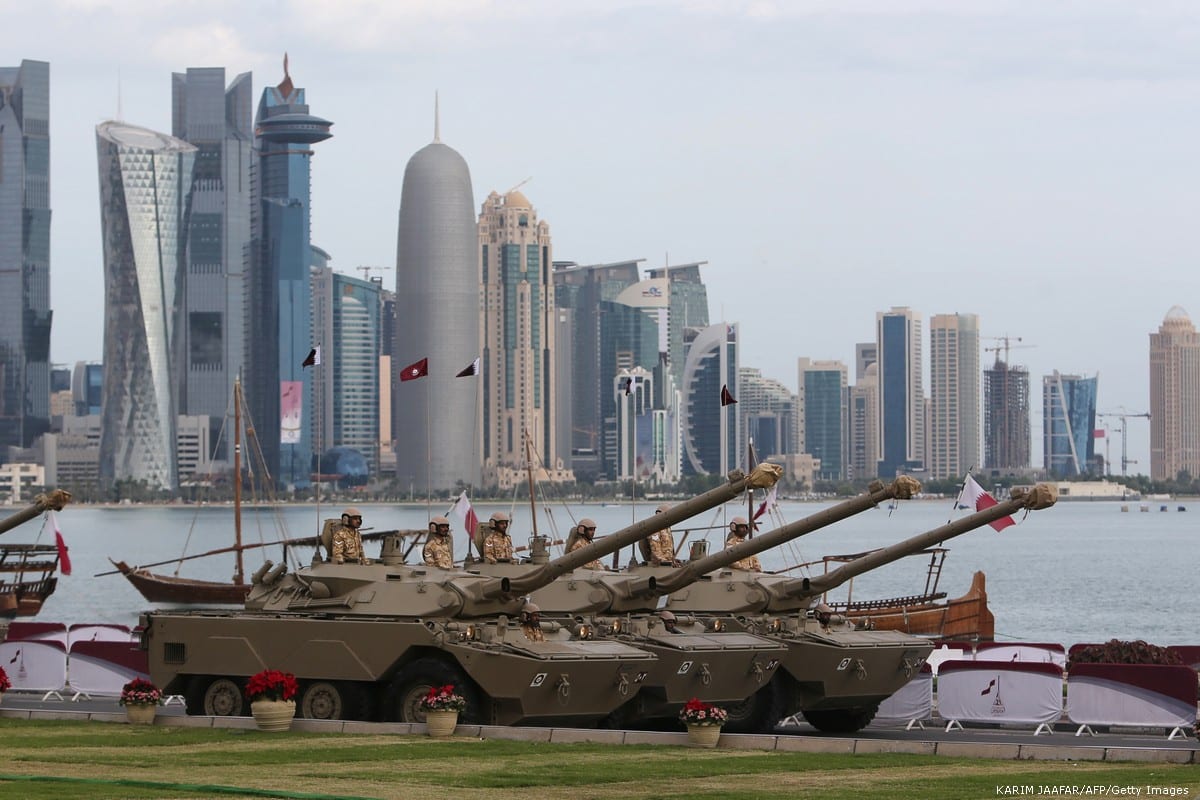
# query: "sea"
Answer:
x=1077 y=572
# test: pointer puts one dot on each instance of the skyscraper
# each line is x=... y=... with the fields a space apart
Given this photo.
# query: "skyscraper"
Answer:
x=279 y=392
x=711 y=433
x=688 y=309
x=822 y=399
x=1068 y=424
x=517 y=320
x=144 y=177
x=211 y=340
x=768 y=413
x=901 y=393
x=1174 y=397
x=437 y=317
x=1006 y=428
x=953 y=394
x=24 y=253
x=863 y=420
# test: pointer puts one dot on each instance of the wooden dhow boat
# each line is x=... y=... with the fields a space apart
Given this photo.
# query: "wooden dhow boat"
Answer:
x=28 y=571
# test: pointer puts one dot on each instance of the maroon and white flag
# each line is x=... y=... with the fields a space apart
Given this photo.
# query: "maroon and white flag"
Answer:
x=64 y=559
x=466 y=514
x=726 y=396
x=974 y=496
x=418 y=369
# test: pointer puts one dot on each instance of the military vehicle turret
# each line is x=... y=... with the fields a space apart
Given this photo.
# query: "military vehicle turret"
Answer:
x=368 y=640
x=834 y=675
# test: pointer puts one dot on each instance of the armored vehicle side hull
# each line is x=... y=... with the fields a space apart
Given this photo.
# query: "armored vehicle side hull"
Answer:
x=370 y=668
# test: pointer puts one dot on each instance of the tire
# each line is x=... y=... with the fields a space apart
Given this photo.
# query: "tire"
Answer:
x=216 y=697
x=331 y=700
x=415 y=680
x=760 y=712
x=841 y=720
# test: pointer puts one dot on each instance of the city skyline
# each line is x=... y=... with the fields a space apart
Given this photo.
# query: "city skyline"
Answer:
x=1022 y=164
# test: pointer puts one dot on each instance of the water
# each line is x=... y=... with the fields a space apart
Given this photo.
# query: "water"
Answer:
x=1078 y=572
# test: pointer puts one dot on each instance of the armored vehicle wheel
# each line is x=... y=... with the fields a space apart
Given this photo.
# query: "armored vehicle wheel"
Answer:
x=328 y=700
x=216 y=697
x=414 y=682
x=761 y=711
x=841 y=720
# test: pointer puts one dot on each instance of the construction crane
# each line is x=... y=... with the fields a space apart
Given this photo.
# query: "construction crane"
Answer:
x=1004 y=435
x=367 y=270
x=1006 y=347
x=1122 y=415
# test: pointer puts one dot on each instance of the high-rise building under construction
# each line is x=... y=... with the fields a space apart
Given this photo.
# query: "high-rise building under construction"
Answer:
x=1006 y=432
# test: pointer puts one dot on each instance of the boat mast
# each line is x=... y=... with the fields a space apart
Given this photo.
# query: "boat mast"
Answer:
x=237 y=478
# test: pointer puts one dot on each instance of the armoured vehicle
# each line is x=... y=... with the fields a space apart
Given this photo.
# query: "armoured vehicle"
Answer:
x=368 y=640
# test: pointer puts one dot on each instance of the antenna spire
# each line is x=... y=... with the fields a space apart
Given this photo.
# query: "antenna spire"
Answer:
x=437 y=119
x=120 y=115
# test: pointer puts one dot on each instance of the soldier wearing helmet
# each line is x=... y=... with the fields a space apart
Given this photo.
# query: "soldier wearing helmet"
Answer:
x=439 y=547
x=662 y=544
x=347 y=541
x=824 y=614
x=670 y=624
x=531 y=622
x=587 y=534
x=498 y=546
x=739 y=529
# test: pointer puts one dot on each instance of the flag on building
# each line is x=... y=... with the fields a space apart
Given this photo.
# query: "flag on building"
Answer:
x=726 y=396
x=313 y=359
x=627 y=385
x=469 y=369
x=465 y=514
x=974 y=496
x=418 y=369
x=64 y=558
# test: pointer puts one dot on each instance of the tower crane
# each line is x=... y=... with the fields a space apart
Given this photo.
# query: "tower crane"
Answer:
x=1006 y=347
x=1124 y=416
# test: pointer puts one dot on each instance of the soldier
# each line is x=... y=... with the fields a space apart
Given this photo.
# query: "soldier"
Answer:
x=739 y=529
x=531 y=622
x=669 y=622
x=347 y=542
x=587 y=533
x=824 y=614
x=439 y=547
x=662 y=544
x=498 y=546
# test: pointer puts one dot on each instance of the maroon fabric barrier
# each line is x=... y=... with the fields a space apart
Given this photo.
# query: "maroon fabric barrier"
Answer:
x=103 y=667
x=37 y=630
x=35 y=665
x=1150 y=695
x=1000 y=691
x=913 y=701
x=1045 y=652
x=1188 y=653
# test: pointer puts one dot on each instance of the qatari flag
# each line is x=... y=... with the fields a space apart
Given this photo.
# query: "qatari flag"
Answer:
x=974 y=496
x=64 y=560
x=469 y=369
x=418 y=369
x=726 y=396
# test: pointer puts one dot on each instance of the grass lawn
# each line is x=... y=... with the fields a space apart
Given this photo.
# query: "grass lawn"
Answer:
x=98 y=760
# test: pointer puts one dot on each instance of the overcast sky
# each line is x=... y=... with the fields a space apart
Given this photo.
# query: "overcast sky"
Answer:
x=1034 y=163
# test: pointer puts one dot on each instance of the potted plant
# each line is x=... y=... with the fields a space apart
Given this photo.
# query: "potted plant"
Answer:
x=141 y=699
x=442 y=706
x=5 y=683
x=271 y=694
x=703 y=721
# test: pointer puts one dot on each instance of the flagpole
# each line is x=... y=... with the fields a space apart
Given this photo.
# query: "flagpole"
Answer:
x=962 y=487
x=428 y=452
x=319 y=378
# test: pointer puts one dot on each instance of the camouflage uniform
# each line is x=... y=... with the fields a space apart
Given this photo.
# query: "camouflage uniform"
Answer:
x=497 y=546
x=533 y=633
x=583 y=541
x=662 y=547
x=348 y=546
x=438 y=552
x=750 y=563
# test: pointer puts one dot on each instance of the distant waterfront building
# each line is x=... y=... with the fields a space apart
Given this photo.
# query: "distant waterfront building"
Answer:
x=87 y=388
x=1175 y=397
x=865 y=354
x=953 y=432
x=437 y=317
x=144 y=178
x=1068 y=424
x=279 y=391
x=769 y=416
x=1006 y=427
x=517 y=320
x=687 y=303
x=711 y=433
x=862 y=460
x=24 y=252
x=211 y=337
x=901 y=392
x=822 y=399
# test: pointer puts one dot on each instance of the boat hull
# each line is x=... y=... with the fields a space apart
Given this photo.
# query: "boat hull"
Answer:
x=170 y=589
x=965 y=618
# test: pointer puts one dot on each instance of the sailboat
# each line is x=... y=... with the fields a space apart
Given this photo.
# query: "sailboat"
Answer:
x=159 y=588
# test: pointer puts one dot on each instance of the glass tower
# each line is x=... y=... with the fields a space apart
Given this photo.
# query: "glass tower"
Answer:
x=211 y=340
x=901 y=394
x=1068 y=424
x=822 y=398
x=24 y=253
x=144 y=178
x=711 y=434
x=279 y=330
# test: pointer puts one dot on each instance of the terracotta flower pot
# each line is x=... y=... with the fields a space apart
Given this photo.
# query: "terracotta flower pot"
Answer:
x=441 y=723
x=273 y=715
x=140 y=714
x=703 y=735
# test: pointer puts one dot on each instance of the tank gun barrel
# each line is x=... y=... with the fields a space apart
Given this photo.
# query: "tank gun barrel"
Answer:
x=762 y=476
x=54 y=500
x=1032 y=499
x=902 y=488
